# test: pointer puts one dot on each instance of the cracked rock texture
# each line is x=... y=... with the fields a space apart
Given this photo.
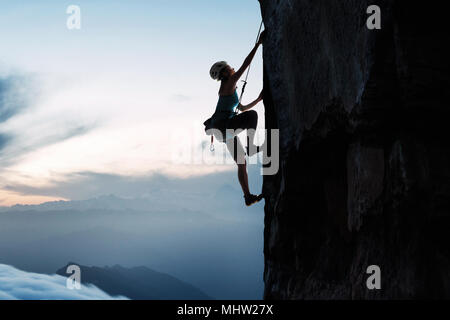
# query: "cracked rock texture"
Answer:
x=364 y=173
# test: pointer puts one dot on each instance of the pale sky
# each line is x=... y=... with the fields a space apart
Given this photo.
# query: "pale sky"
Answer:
x=120 y=96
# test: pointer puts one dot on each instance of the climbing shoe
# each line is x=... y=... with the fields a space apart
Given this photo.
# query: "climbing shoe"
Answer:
x=252 y=199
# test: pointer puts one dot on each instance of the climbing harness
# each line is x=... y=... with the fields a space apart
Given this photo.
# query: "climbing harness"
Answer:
x=211 y=148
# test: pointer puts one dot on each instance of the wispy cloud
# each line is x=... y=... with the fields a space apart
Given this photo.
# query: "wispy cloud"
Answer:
x=13 y=100
x=12 y=96
x=15 y=152
x=29 y=121
x=4 y=139
x=20 y=285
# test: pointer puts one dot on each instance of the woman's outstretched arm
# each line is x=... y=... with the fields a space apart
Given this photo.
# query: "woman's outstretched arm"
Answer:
x=238 y=74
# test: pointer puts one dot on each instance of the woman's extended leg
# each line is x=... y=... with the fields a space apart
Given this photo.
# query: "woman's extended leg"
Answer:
x=237 y=151
x=243 y=178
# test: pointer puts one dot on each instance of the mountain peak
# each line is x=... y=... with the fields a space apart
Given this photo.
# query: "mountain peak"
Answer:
x=140 y=283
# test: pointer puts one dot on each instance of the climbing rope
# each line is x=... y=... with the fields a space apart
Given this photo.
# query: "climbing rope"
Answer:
x=248 y=70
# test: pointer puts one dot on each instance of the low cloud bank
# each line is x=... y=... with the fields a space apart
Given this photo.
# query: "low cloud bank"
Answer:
x=20 y=285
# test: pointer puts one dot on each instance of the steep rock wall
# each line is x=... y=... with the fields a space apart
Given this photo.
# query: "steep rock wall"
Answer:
x=364 y=173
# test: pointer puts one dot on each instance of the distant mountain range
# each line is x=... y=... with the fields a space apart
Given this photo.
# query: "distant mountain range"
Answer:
x=138 y=283
x=208 y=239
x=224 y=197
x=104 y=202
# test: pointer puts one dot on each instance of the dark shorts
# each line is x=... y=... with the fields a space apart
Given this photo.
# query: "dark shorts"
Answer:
x=243 y=121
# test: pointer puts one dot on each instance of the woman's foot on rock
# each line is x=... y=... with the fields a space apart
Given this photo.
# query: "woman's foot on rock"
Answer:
x=252 y=199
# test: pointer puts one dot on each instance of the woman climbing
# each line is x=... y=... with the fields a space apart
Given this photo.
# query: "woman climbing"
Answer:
x=225 y=117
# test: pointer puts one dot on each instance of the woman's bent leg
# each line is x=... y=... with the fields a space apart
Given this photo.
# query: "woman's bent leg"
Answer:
x=245 y=120
x=237 y=151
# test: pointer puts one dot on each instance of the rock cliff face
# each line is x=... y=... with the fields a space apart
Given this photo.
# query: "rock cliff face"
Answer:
x=364 y=173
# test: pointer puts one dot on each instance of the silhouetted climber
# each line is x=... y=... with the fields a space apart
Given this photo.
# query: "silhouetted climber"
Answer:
x=226 y=117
